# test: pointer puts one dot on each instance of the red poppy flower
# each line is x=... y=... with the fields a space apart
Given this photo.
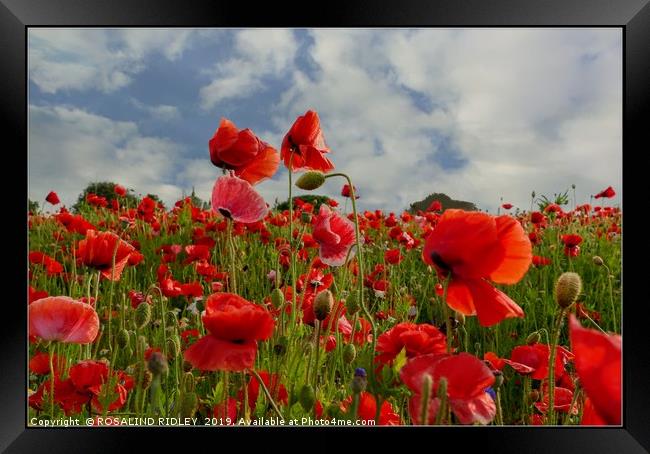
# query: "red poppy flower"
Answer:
x=51 y=266
x=571 y=245
x=35 y=295
x=561 y=401
x=236 y=200
x=541 y=261
x=53 y=198
x=533 y=359
x=60 y=318
x=97 y=251
x=506 y=206
x=472 y=247
x=598 y=365
x=40 y=363
x=272 y=383
x=608 y=193
x=335 y=235
x=119 y=190
x=235 y=326
x=415 y=339
x=467 y=379
x=227 y=412
x=496 y=362
x=345 y=192
x=393 y=256
x=537 y=218
x=241 y=151
x=368 y=409
x=435 y=206
x=304 y=145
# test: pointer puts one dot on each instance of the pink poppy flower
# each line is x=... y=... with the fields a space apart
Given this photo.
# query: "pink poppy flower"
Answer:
x=236 y=200
x=335 y=236
x=60 y=318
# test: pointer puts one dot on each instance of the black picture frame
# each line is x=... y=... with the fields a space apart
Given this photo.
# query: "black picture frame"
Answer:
x=633 y=16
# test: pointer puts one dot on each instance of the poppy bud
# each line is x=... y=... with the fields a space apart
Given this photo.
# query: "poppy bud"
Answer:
x=305 y=217
x=460 y=318
x=188 y=404
x=352 y=303
x=310 y=180
x=323 y=305
x=307 y=397
x=200 y=305
x=598 y=261
x=157 y=364
x=277 y=298
x=281 y=347
x=412 y=313
x=533 y=338
x=123 y=338
x=171 y=319
x=498 y=379
x=533 y=396
x=567 y=289
x=173 y=346
x=187 y=366
x=360 y=380
x=142 y=315
x=349 y=353
x=188 y=382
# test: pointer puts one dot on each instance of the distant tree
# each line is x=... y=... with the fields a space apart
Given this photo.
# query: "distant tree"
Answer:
x=445 y=201
x=32 y=206
x=316 y=200
x=105 y=189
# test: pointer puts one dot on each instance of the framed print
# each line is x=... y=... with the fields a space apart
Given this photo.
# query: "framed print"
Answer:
x=367 y=220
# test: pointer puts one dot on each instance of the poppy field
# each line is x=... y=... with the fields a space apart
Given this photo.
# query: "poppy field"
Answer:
x=320 y=314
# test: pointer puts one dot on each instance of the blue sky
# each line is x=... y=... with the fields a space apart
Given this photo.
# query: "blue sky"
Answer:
x=478 y=114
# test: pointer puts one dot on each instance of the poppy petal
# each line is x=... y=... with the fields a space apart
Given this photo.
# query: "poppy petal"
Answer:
x=480 y=409
x=518 y=251
x=492 y=305
x=63 y=319
x=238 y=198
x=210 y=353
x=459 y=298
x=263 y=166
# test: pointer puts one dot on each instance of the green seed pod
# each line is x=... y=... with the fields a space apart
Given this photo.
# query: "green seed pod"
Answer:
x=310 y=180
x=277 y=298
x=173 y=347
x=533 y=338
x=171 y=319
x=142 y=315
x=323 y=305
x=307 y=397
x=533 y=396
x=498 y=379
x=567 y=289
x=188 y=404
x=188 y=382
x=352 y=303
x=123 y=338
x=349 y=353
x=142 y=345
x=598 y=261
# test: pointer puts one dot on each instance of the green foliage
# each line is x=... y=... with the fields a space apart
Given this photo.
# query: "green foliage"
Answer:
x=316 y=200
x=104 y=189
x=32 y=206
x=444 y=199
x=558 y=199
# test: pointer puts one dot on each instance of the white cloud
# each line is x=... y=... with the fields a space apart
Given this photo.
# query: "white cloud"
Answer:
x=257 y=53
x=161 y=112
x=527 y=109
x=69 y=148
x=99 y=59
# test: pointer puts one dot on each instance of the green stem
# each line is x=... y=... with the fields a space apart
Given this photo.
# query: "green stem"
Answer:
x=267 y=393
x=317 y=347
x=551 y=370
x=231 y=247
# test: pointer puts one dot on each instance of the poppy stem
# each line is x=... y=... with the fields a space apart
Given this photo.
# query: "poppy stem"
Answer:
x=359 y=257
x=550 y=412
x=355 y=406
x=267 y=393
x=445 y=310
x=611 y=298
x=51 y=348
x=317 y=347
x=246 y=406
x=291 y=250
x=231 y=247
x=499 y=417
x=427 y=385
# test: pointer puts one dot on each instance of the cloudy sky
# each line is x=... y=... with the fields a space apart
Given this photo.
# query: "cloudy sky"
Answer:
x=478 y=114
